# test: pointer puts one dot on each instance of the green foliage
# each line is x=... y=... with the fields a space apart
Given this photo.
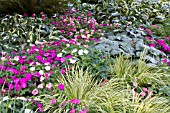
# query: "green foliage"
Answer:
x=13 y=105
x=33 y=6
x=129 y=10
x=15 y=31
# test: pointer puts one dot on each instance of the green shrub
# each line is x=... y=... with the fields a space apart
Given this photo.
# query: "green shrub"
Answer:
x=33 y=6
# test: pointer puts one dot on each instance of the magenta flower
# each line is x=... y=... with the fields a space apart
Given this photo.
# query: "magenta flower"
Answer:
x=63 y=70
x=164 y=60
x=22 y=68
x=25 y=14
x=11 y=86
x=61 y=86
x=18 y=87
x=16 y=80
x=28 y=76
x=165 y=47
x=33 y=15
x=152 y=45
x=73 y=110
x=83 y=111
x=39 y=105
x=53 y=101
x=169 y=63
x=161 y=42
x=1 y=81
x=75 y=101
x=68 y=56
x=2 y=67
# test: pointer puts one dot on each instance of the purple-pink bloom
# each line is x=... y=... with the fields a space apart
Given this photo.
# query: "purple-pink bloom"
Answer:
x=35 y=92
x=152 y=45
x=73 y=110
x=39 y=105
x=1 y=81
x=75 y=101
x=53 y=101
x=21 y=61
x=142 y=94
x=22 y=68
x=61 y=86
x=161 y=42
x=63 y=70
x=28 y=76
x=10 y=86
x=68 y=56
x=2 y=67
x=18 y=87
x=83 y=111
x=164 y=60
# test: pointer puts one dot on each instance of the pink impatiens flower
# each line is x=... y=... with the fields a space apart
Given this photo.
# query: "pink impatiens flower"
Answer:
x=143 y=94
x=53 y=101
x=49 y=86
x=35 y=92
x=61 y=86
x=75 y=101
x=73 y=110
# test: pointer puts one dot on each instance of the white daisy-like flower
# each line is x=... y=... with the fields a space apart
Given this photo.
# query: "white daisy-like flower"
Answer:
x=41 y=72
x=3 y=58
x=86 y=51
x=68 y=45
x=75 y=50
x=37 y=63
x=47 y=63
x=42 y=78
x=32 y=68
x=60 y=55
x=47 y=68
x=64 y=51
x=72 y=61
x=80 y=52
x=16 y=58
x=28 y=111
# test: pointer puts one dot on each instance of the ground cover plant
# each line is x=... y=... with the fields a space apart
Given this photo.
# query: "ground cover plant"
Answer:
x=80 y=61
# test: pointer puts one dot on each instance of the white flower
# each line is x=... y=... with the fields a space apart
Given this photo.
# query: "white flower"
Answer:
x=72 y=61
x=75 y=50
x=40 y=86
x=28 y=111
x=16 y=58
x=41 y=72
x=3 y=58
x=64 y=51
x=32 y=68
x=42 y=78
x=80 y=52
x=68 y=45
x=37 y=63
x=21 y=98
x=47 y=68
x=47 y=63
x=59 y=55
x=5 y=98
x=86 y=51
x=83 y=36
